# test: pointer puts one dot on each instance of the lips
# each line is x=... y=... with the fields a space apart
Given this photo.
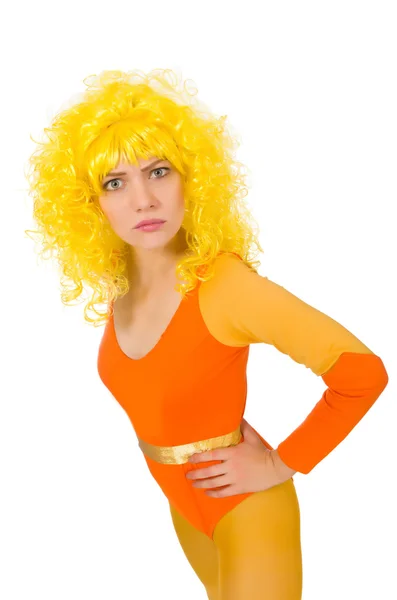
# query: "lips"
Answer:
x=149 y=222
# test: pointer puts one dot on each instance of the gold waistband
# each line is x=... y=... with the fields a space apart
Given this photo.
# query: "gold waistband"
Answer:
x=177 y=455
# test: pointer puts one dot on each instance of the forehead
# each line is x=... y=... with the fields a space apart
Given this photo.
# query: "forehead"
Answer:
x=143 y=164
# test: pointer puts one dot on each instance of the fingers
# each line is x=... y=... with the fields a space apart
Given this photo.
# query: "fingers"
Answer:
x=207 y=472
x=218 y=454
x=215 y=482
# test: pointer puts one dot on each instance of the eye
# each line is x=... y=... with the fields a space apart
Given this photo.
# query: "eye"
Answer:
x=160 y=169
x=105 y=185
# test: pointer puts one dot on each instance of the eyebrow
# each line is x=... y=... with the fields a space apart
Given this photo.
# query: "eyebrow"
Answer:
x=144 y=169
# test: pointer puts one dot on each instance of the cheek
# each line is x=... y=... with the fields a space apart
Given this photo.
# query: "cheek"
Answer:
x=181 y=199
x=181 y=212
x=178 y=192
x=174 y=202
x=182 y=205
x=116 y=219
x=112 y=211
x=106 y=208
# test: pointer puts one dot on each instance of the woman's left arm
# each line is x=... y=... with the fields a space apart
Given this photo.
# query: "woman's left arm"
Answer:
x=245 y=307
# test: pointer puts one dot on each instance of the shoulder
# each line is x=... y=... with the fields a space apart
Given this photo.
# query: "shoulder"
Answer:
x=229 y=275
x=229 y=265
x=226 y=295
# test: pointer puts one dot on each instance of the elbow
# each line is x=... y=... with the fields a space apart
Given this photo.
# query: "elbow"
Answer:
x=382 y=377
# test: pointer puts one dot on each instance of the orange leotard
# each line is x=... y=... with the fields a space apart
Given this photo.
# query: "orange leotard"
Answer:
x=192 y=385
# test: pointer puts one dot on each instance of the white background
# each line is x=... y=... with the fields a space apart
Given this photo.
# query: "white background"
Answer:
x=310 y=88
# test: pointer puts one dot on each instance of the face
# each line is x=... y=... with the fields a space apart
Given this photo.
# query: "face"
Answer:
x=151 y=190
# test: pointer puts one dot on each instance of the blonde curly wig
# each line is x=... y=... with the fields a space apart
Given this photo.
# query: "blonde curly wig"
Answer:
x=122 y=116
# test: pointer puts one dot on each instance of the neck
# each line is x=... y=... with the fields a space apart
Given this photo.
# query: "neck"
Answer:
x=150 y=269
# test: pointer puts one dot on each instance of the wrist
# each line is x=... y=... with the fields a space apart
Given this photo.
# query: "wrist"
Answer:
x=284 y=470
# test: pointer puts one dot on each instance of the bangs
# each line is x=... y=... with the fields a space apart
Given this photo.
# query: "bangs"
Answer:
x=125 y=142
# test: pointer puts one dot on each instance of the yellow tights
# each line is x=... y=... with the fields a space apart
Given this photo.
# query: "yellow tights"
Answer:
x=255 y=553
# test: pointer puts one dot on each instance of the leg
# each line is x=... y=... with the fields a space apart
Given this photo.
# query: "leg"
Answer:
x=259 y=547
x=200 y=551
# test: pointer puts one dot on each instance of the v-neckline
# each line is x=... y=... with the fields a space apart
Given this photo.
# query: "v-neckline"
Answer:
x=165 y=333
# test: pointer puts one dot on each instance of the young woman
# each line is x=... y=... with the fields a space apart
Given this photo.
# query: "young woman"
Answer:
x=137 y=189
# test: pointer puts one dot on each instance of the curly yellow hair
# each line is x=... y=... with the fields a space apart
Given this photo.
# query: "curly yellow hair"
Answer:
x=122 y=116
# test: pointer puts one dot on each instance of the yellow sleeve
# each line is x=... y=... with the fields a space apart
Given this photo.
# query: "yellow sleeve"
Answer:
x=241 y=307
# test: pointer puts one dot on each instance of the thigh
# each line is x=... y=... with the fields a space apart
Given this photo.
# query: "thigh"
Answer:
x=259 y=547
x=200 y=551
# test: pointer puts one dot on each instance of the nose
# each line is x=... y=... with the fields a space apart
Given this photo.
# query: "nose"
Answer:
x=140 y=196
